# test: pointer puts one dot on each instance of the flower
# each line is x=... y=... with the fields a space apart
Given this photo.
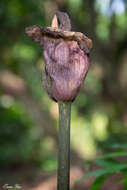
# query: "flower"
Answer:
x=66 y=57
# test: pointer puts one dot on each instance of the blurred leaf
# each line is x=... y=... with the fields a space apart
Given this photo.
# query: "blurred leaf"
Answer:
x=15 y=135
x=112 y=155
x=98 y=182
x=49 y=165
x=125 y=181
x=116 y=146
x=100 y=172
x=87 y=165
x=96 y=173
x=106 y=162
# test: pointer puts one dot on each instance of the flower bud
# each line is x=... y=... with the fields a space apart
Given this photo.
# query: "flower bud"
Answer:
x=66 y=60
x=66 y=65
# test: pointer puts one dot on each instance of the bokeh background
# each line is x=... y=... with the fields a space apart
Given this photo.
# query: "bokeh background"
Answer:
x=28 y=118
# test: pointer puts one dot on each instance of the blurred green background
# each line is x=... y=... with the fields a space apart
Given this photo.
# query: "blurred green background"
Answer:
x=28 y=118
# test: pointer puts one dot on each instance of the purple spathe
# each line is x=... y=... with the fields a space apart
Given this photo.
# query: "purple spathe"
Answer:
x=66 y=65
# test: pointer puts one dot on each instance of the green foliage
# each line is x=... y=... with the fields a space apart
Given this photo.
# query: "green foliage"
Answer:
x=16 y=143
x=98 y=182
x=49 y=164
x=110 y=165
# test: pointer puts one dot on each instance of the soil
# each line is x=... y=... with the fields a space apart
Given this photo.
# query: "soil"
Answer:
x=31 y=178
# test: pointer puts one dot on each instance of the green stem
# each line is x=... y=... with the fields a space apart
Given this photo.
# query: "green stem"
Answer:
x=63 y=179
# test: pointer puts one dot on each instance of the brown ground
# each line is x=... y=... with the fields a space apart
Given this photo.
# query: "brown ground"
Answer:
x=34 y=179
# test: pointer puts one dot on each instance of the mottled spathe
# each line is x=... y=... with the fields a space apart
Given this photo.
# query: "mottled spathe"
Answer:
x=66 y=65
x=66 y=57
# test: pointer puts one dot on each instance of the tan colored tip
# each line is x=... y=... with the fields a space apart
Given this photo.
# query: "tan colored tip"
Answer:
x=54 y=23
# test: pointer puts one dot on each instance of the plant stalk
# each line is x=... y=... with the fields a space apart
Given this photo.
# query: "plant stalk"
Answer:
x=63 y=178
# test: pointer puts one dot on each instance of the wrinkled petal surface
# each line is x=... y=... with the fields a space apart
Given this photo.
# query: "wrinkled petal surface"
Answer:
x=66 y=65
